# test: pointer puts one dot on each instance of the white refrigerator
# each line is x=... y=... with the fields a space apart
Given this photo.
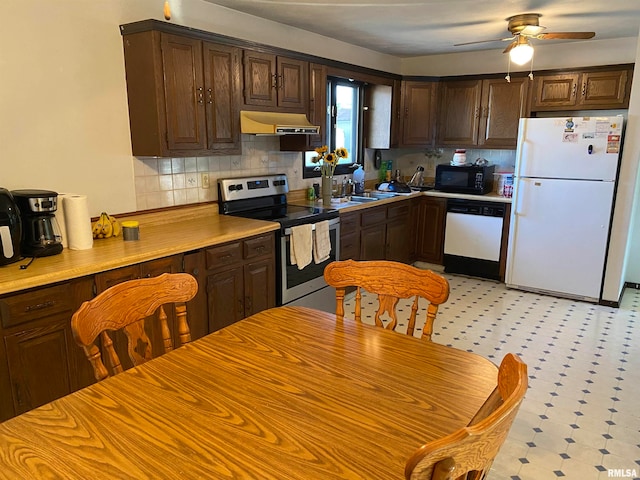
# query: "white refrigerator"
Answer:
x=564 y=183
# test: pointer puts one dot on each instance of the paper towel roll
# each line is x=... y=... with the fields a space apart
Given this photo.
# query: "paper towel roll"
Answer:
x=77 y=222
x=61 y=219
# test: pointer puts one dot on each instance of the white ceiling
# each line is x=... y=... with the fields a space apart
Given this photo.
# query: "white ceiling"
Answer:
x=408 y=28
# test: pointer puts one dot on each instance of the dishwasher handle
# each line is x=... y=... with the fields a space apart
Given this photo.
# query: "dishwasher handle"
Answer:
x=472 y=207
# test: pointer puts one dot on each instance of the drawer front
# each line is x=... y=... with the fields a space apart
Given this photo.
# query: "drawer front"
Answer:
x=224 y=255
x=373 y=216
x=349 y=222
x=36 y=304
x=395 y=211
x=258 y=246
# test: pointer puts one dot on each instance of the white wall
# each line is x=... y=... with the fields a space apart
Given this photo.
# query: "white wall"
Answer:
x=623 y=263
x=63 y=105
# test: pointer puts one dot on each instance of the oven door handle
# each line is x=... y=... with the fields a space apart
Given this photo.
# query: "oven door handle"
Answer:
x=332 y=223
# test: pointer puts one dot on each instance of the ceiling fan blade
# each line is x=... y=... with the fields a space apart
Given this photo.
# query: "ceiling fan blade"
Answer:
x=565 y=35
x=484 y=41
x=510 y=47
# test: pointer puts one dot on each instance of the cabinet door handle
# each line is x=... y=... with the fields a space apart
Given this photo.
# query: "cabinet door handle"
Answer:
x=248 y=306
x=477 y=112
x=406 y=111
x=240 y=308
x=40 y=306
x=584 y=89
x=281 y=77
x=16 y=387
x=573 y=90
x=209 y=96
x=275 y=81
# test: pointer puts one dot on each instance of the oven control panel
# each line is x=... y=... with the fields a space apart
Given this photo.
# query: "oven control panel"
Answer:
x=240 y=188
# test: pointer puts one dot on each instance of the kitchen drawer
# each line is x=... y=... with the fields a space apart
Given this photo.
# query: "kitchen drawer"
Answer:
x=396 y=211
x=373 y=216
x=258 y=246
x=349 y=222
x=224 y=255
x=35 y=304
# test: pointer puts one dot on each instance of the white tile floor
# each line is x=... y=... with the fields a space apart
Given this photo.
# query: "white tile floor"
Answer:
x=581 y=416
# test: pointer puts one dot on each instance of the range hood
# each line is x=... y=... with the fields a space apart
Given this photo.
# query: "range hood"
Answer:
x=275 y=123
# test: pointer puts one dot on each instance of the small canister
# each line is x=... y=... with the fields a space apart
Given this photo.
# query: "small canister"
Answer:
x=131 y=230
x=311 y=193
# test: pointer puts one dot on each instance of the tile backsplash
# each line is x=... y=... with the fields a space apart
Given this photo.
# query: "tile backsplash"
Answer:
x=165 y=182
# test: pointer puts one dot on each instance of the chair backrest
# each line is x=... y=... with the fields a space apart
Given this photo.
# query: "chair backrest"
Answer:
x=126 y=306
x=390 y=281
x=470 y=451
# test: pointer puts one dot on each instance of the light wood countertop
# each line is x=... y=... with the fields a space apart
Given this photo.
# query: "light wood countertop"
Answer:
x=168 y=233
x=345 y=206
x=161 y=234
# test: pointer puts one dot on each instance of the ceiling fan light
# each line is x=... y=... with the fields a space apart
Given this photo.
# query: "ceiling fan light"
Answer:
x=521 y=53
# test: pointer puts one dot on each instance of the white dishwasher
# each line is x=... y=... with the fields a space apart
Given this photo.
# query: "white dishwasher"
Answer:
x=473 y=238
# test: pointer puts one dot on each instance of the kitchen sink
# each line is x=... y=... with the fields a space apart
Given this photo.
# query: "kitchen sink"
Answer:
x=377 y=195
x=358 y=199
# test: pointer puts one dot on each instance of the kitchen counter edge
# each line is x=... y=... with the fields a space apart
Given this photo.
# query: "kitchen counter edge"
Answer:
x=162 y=234
x=345 y=206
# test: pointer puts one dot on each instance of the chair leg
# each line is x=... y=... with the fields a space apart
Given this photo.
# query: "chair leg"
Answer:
x=184 y=334
x=340 y=303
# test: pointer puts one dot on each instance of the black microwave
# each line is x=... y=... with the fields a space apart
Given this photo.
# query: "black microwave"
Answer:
x=473 y=179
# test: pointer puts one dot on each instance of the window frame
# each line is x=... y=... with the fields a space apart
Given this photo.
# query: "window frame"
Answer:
x=329 y=132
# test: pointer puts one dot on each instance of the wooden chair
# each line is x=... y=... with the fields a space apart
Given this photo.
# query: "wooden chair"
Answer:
x=125 y=306
x=469 y=452
x=390 y=281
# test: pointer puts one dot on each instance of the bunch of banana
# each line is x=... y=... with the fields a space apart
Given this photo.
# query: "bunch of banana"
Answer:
x=106 y=226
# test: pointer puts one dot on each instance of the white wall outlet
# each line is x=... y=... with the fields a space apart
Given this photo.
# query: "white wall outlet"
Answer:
x=205 y=180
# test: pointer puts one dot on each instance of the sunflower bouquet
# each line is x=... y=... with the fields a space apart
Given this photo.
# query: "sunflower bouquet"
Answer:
x=327 y=160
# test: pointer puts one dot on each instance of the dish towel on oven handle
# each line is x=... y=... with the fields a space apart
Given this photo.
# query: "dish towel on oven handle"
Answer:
x=322 y=242
x=301 y=245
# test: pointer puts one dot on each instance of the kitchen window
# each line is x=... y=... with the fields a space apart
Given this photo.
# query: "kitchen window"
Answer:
x=343 y=125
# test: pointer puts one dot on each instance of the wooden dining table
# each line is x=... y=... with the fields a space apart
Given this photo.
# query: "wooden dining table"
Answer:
x=288 y=393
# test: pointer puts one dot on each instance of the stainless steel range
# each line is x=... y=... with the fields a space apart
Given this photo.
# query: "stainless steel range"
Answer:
x=264 y=198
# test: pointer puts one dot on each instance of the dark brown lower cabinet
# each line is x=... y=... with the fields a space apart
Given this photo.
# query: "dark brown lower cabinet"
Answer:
x=39 y=359
x=225 y=297
x=430 y=229
x=350 y=236
x=241 y=279
x=378 y=233
x=398 y=242
x=39 y=363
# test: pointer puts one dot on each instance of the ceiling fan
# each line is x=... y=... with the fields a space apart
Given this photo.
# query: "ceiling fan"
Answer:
x=526 y=26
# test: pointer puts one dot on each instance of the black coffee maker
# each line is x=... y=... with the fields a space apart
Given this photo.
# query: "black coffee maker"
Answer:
x=41 y=235
x=10 y=228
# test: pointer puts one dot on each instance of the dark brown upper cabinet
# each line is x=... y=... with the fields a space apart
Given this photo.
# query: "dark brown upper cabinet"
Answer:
x=596 y=89
x=418 y=113
x=481 y=112
x=273 y=82
x=316 y=115
x=183 y=95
